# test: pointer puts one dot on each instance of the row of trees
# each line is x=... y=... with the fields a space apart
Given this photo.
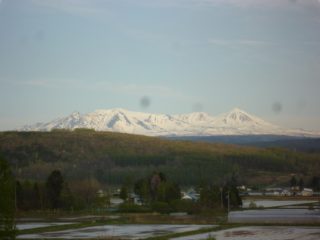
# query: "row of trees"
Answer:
x=227 y=197
x=157 y=189
x=295 y=184
x=53 y=194
x=56 y=193
x=313 y=183
x=160 y=194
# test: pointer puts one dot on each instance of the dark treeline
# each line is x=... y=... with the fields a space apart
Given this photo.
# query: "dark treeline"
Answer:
x=155 y=193
x=53 y=194
x=158 y=193
x=111 y=158
x=302 y=144
x=7 y=201
x=57 y=193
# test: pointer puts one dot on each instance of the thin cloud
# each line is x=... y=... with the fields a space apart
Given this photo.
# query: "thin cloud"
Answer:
x=89 y=7
x=45 y=83
x=240 y=42
x=238 y=3
x=79 y=7
x=244 y=3
x=138 y=89
x=34 y=83
x=312 y=43
x=112 y=87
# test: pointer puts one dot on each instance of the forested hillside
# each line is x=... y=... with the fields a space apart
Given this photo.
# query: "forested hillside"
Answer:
x=302 y=144
x=115 y=158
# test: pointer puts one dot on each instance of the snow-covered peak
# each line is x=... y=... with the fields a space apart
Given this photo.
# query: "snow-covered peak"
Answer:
x=237 y=115
x=237 y=110
x=240 y=118
x=195 y=117
x=234 y=122
x=75 y=115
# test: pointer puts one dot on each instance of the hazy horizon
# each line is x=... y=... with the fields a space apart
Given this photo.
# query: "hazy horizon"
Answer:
x=169 y=56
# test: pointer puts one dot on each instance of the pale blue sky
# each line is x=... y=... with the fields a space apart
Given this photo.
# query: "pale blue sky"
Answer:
x=60 y=56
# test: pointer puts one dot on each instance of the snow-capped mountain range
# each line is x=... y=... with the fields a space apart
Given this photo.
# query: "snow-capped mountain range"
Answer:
x=235 y=122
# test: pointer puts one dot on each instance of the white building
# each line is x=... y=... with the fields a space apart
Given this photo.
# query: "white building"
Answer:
x=307 y=192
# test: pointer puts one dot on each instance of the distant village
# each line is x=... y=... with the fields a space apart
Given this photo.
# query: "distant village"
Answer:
x=193 y=195
x=278 y=191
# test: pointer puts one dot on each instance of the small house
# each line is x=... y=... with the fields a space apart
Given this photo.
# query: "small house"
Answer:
x=307 y=192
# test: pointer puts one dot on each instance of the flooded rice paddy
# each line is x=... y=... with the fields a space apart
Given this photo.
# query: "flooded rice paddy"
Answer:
x=275 y=216
x=260 y=233
x=24 y=226
x=272 y=211
x=279 y=211
x=132 y=231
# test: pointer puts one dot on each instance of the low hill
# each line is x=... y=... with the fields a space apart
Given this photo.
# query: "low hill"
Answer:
x=114 y=158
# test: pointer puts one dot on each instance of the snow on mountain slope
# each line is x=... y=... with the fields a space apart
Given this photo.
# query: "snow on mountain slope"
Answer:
x=195 y=118
x=238 y=121
x=235 y=122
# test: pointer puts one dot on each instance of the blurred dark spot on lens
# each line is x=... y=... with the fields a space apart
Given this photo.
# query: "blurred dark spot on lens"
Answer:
x=293 y=1
x=145 y=102
x=277 y=107
x=197 y=107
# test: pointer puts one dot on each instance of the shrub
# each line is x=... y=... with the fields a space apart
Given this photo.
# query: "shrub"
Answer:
x=252 y=204
x=185 y=206
x=161 y=207
x=132 y=208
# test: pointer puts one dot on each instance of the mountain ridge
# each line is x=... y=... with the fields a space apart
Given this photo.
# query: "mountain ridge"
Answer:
x=234 y=122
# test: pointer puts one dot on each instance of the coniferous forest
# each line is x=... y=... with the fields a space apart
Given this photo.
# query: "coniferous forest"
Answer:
x=116 y=158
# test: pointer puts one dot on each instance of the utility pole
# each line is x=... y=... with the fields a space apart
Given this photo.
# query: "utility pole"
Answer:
x=15 y=196
x=221 y=190
x=228 y=201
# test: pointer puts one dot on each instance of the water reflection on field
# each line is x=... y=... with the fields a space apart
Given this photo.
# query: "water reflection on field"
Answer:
x=120 y=231
x=23 y=226
x=275 y=216
x=260 y=233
